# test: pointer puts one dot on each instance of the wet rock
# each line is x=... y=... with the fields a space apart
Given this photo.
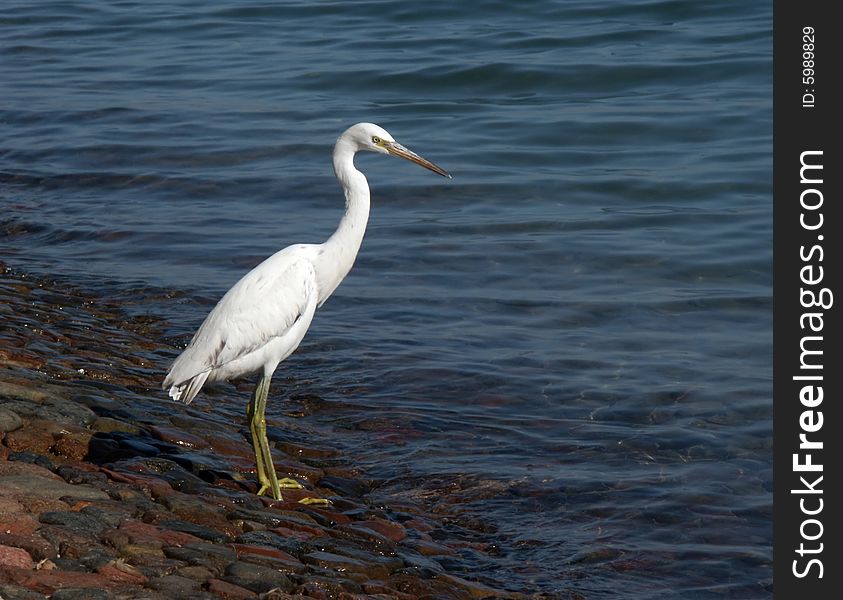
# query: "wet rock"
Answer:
x=178 y=437
x=196 y=573
x=135 y=447
x=274 y=540
x=229 y=591
x=257 y=578
x=392 y=531
x=75 y=522
x=13 y=518
x=33 y=437
x=75 y=475
x=26 y=468
x=474 y=589
x=345 y=487
x=36 y=486
x=148 y=534
x=328 y=588
x=35 y=545
x=15 y=557
x=81 y=594
x=53 y=409
x=214 y=558
x=121 y=572
x=279 y=560
x=430 y=548
x=71 y=544
x=205 y=533
x=16 y=592
x=72 y=444
x=375 y=588
x=29 y=457
x=110 y=425
x=336 y=562
x=176 y=586
x=48 y=581
x=9 y=420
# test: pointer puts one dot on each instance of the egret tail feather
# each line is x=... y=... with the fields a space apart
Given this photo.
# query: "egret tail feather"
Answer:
x=187 y=390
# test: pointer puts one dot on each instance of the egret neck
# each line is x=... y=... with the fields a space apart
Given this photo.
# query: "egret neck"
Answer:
x=336 y=256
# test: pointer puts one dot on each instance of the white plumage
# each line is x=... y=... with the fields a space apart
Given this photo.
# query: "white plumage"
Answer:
x=263 y=318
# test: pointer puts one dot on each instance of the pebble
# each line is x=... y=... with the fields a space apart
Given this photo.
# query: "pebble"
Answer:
x=15 y=557
x=257 y=578
x=16 y=592
x=81 y=594
x=9 y=420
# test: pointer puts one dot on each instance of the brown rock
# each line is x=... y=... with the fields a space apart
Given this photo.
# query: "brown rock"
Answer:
x=48 y=581
x=178 y=437
x=109 y=425
x=391 y=531
x=35 y=436
x=148 y=534
x=21 y=468
x=195 y=572
x=246 y=549
x=476 y=590
x=344 y=564
x=15 y=557
x=37 y=547
x=229 y=590
x=73 y=444
x=379 y=587
x=122 y=572
x=429 y=548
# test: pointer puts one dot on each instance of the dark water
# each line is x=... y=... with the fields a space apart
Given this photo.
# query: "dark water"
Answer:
x=577 y=327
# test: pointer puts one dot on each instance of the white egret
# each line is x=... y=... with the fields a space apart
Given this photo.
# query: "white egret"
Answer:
x=262 y=319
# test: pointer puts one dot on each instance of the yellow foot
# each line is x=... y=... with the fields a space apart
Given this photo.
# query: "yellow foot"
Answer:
x=290 y=484
x=317 y=501
x=264 y=488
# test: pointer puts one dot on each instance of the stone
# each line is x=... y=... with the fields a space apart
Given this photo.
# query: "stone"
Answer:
x=178 y=437
x=73 y=444
x=122 y=572
x=175 y=586
x=81 y=594
x=35 y=545
x=229 y=591
x=16 y=592
x=73 y=521
x=392 y=531
x=337 y=562
x=9 y=420
x=109 y=425
x=344 y=486
x=15 y=557
x=56 y=410
x=257 y=578
x=215 y=558
x=205 y=533
x=31 y=438
x=51 y=488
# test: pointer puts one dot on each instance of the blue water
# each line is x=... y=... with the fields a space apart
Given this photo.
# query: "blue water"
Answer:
x=577 y=328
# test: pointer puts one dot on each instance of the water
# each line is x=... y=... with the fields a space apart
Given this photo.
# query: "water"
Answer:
x=576 y=328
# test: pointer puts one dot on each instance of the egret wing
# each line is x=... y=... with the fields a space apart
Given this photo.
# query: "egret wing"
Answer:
x=266 y=304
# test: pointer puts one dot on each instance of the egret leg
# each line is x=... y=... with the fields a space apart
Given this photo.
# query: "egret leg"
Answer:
x=256 y=414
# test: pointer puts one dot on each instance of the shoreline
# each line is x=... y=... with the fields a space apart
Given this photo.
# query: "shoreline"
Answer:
x=108 y=491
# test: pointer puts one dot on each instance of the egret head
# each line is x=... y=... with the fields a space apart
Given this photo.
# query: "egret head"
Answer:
x=372 y=138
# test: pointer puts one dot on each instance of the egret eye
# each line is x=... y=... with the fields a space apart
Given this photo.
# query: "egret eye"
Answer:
x=376 y=139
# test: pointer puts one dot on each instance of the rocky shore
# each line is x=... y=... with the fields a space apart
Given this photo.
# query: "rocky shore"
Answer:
x=109 y=491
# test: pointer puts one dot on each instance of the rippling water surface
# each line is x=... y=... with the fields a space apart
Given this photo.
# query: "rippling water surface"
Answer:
x=576 y=329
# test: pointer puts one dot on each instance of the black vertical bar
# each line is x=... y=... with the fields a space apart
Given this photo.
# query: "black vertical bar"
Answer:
x=807 y=366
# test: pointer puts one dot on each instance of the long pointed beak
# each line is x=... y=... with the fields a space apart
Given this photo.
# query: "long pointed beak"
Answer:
x=396 y=149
